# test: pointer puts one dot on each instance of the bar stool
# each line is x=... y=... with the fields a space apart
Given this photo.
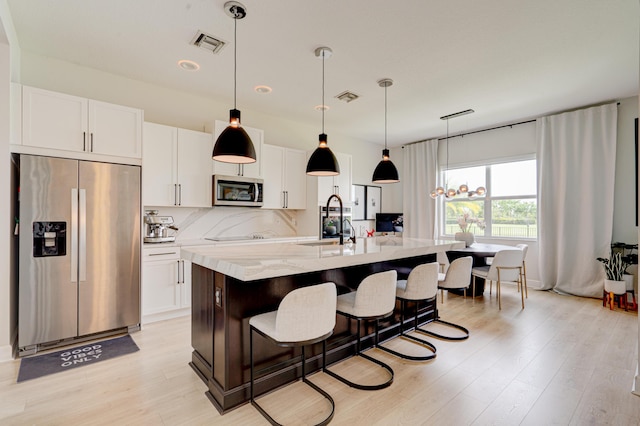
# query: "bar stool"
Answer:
x=420 y=286
x=374 y=299
x=305 y=316
x=457 y=277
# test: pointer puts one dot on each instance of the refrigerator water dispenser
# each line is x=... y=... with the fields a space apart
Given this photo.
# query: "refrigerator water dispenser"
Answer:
x=49 y=239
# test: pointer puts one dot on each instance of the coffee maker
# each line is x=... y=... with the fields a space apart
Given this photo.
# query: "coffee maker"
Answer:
x=156 y=227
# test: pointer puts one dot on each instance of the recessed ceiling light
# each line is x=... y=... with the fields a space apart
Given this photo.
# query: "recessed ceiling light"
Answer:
x=188 y=65
x=321 y=107
x=263 y=89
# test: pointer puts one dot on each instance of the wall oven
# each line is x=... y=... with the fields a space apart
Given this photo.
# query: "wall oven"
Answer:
x=330 y=224
x=236 y=191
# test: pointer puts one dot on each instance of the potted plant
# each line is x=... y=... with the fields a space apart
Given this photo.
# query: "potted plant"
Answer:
x=330 y=227
x=614 y=283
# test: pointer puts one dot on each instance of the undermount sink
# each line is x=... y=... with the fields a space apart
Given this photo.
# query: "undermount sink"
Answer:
x=319 y=243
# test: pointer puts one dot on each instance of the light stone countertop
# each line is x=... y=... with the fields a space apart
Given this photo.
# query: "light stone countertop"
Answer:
x=250 y=262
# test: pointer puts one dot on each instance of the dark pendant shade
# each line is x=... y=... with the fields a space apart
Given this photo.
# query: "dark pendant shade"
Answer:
x=385 y=171
x=322 y=162
x=234 y=144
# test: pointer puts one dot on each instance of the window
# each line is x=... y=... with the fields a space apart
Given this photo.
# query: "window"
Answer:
x=507 y=210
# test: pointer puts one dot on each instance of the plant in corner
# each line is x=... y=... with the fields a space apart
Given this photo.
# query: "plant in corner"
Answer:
x=614 y=284
x=614 y=267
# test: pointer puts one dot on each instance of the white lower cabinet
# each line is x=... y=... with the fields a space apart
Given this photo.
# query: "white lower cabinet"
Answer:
x=166 y=284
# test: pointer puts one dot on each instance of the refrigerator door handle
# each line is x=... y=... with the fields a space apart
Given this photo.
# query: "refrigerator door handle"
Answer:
x=82 y=235
x=74 y=235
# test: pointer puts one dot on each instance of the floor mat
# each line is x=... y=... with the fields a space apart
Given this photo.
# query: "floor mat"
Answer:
x=54 y=362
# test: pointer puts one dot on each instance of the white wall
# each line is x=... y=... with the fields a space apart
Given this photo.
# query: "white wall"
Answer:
x=9 y=53
x=5 y=199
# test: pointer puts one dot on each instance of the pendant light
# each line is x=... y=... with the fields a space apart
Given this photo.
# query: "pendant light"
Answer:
x=464 y=188
x=385 y=171
x=322 y=162
x=234 y=144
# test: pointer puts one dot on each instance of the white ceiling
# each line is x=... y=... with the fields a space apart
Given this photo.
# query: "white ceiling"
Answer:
x=508 y=60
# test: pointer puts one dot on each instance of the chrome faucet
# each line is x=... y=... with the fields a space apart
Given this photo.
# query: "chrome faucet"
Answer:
x=341 y=233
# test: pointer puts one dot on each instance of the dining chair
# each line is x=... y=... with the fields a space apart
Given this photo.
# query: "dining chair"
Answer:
x=524 y=248
x=506 y=267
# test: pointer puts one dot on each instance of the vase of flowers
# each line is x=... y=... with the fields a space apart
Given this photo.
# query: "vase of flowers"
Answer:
x=467 y=223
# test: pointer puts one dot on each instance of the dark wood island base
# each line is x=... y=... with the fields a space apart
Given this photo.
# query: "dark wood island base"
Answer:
x=221 y=308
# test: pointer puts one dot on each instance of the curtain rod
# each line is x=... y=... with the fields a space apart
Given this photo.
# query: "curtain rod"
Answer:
x=483 y=130
x=461 y=135
x=475 y=131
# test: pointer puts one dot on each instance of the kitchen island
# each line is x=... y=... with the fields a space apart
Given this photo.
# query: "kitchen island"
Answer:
x=232 y=284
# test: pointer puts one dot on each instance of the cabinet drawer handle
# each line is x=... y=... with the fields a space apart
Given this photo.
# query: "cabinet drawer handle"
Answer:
x=84 y=141
x=91 y=144
x=163 y=254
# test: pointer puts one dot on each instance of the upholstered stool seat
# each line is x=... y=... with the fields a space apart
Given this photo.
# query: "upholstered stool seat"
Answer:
x=374 y=299
x=420 y=286
x=305 y=316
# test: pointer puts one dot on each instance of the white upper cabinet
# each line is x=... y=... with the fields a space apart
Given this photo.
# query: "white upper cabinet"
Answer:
x=57 y=121
x=284 y=178
x=115 y=130
x=340 y=184
x=194 y=168
x=176 y=167
x=248 y=170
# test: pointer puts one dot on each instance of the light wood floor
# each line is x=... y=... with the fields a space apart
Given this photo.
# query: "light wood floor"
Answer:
x=563 y=360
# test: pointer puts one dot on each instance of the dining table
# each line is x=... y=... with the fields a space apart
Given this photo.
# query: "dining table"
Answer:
x=479 y=252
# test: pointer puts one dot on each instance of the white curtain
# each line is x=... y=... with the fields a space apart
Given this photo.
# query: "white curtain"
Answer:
x=419 y=177
x=576 y=178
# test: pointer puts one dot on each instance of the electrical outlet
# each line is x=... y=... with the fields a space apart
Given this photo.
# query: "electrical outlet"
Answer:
x=218 y=297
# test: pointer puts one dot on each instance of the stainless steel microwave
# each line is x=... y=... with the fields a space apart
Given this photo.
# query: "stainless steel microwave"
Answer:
x=236 y=191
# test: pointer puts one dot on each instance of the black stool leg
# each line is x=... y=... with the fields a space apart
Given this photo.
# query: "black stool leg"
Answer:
x=367 y=357
x=465 y=332
x=411 y=338
x=266 y=415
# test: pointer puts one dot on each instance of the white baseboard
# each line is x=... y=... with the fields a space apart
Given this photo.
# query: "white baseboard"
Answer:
x=161 y=316
x=6 y=353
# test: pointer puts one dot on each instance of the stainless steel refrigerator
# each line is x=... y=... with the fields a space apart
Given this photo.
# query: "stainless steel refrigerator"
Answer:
x=79 y=250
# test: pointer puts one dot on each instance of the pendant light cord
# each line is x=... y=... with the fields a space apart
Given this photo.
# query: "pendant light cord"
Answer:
x=385 y=116
x=235 y=58
x=323 y=105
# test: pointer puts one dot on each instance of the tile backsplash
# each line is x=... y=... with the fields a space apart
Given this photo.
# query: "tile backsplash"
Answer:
x=222 y=222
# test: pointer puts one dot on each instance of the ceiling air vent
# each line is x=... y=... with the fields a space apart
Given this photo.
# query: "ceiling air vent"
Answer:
x=347 y=96
x=207 y=42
